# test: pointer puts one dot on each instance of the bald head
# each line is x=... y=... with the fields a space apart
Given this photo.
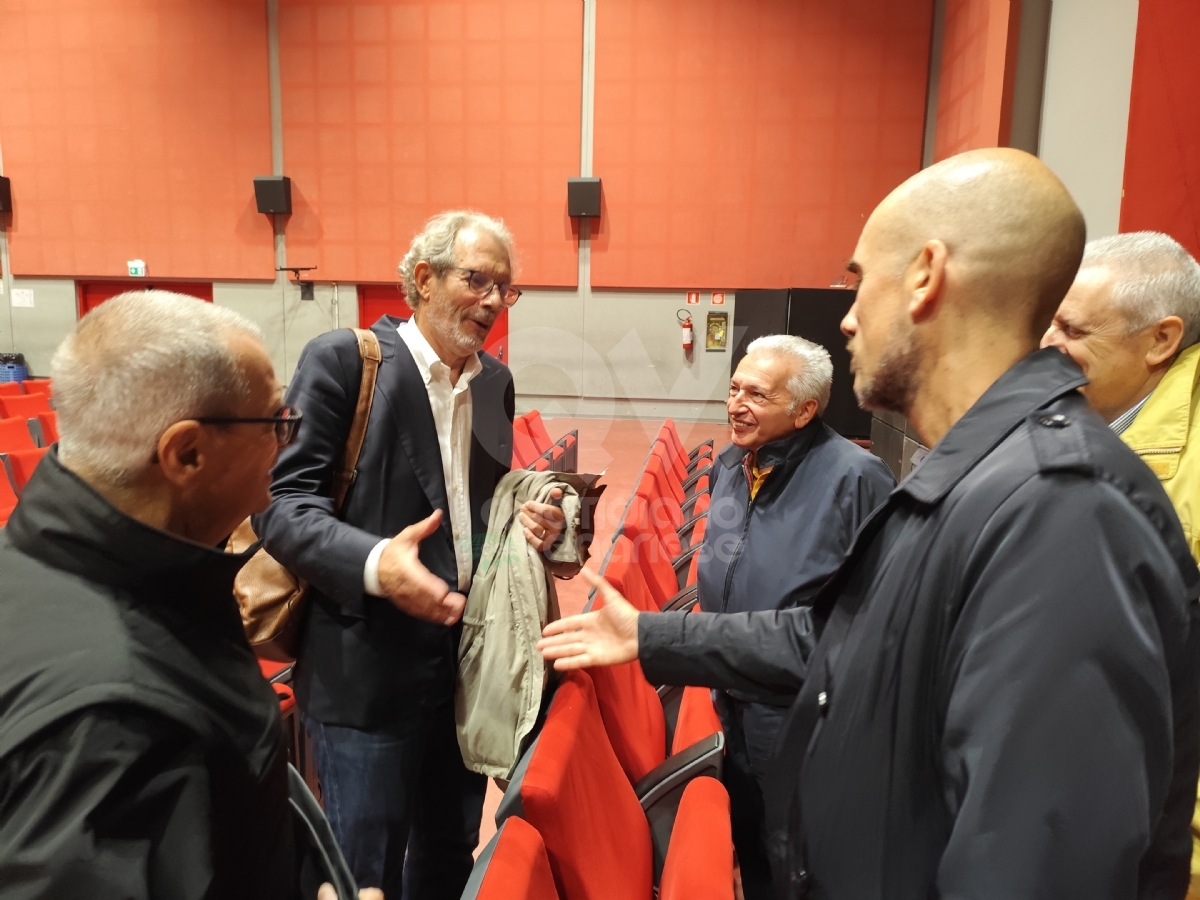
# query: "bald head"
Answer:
x=1012 y=232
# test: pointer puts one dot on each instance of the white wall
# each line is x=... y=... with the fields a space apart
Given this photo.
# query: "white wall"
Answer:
x=1085 y=110
x=38 y=331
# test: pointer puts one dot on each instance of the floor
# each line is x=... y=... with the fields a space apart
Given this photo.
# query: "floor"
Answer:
x=618 y=448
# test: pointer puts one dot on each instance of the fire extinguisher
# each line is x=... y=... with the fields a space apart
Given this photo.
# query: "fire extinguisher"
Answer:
x=685 y=321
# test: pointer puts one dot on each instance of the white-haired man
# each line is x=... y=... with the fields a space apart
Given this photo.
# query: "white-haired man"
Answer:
x=376 y=671
x=1131 y=321
x=141 y=753
x=788 y=494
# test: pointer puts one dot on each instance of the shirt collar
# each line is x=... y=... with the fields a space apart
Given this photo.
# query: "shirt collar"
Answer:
x=1121 y=423
x=428 y=362
x=1038 y=379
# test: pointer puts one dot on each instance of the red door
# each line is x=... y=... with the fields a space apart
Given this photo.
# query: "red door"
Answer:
x=92 y=293
x=375 y=300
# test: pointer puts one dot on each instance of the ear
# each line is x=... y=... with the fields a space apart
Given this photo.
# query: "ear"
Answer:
x=1167 y=334
x=181 y=452
x=804 y=413
x=423 y=274
x=926 y=281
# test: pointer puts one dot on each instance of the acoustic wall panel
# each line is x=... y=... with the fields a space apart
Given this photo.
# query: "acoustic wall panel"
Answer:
x=745 y=141
x=394 y=112
x=131 y=129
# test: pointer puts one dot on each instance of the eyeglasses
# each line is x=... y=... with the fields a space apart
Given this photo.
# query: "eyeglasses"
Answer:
x=286 y=420
x=481 y=284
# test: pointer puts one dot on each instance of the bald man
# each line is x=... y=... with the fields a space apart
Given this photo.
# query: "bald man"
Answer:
x=1002 y=699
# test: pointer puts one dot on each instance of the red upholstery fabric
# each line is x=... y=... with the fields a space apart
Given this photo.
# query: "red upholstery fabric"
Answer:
x=623 y=573
x=537 y=430
x=632 y=713
x=646 y=524
x=519 y=868
x=270 y=668
x=524 y=450
x=287 y=700
x=540 y=465
x=11 y=389
x=39 y=386
x=26 y=407
x=578 y=798
x=8 y=499
x=697 y=718
x=699 y=864
x=49 y=423
x=14 y=435
x=22 y=463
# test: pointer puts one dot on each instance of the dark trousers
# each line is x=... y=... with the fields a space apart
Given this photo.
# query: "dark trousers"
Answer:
x=404 y=809
x=750 y=732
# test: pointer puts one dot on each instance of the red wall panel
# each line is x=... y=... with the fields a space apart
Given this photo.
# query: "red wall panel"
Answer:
x=1162 y=153
x=133 y=129
x=394 y=112
x=742 y=143
x=976 y=78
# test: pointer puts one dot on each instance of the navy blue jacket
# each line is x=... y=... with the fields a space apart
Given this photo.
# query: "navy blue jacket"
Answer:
x=777 y=551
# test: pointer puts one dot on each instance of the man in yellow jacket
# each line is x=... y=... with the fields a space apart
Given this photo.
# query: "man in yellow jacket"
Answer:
x=1132 y=321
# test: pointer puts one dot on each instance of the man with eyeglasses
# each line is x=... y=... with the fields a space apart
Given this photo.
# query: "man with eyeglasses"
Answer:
x=375 y=676
x=141 y=751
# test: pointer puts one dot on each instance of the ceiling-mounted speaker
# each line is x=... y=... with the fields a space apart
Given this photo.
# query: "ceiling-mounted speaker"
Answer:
x=5 y=194
x=273 y=194
x=583 y=197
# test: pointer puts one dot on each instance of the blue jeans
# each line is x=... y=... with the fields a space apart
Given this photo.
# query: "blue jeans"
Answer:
x=402 y=806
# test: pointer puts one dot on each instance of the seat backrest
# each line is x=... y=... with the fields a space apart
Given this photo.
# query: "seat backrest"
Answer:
x=697 y=718
x=8 y=499
x=576 y=795
x=513 y=866
x=15 y=435
x=21 y=464
x=645 y=523
x=537 y=430
x=39 y=386
x=632 y=713
x=11 y=389
x=699 y=863
x=49 y=423
x=623 y=573
x=24 y=407
x=523 y=447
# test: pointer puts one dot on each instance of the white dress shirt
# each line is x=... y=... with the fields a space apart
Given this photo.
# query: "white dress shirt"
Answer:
x=451 y=407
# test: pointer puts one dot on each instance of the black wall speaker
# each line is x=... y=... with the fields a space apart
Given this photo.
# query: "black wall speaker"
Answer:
x=583 y=197
x=5 y=194
x=273 y=194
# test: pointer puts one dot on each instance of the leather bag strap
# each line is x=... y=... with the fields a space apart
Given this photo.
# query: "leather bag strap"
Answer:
x=368 y=349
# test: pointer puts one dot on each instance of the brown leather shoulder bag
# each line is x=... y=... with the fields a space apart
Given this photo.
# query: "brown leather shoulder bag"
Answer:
x=270 y=597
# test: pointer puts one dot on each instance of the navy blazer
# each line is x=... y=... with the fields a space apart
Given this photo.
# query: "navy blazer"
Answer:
x=363 y=663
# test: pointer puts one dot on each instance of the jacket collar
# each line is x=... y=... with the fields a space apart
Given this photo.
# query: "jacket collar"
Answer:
x=1038 y=379
x=63 y=522
x=790 y=448
x=1165 y=419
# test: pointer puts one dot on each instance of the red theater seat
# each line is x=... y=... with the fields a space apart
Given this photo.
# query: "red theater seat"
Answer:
x=8 y=500
x=15 y=435
x=26 y=407
x=20 y=465
x=700 y=856
x=39 y=386
x=513 y=866
x=11 y=389
x=697 y=718
x=49 y=423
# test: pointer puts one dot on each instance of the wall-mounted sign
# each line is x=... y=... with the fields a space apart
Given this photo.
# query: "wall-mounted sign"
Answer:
x=718 y=298
x=693 y=298
x=137 y=268
x=22 y=297
x=716 y=334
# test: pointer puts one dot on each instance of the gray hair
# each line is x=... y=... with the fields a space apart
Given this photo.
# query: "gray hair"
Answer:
x=812 y=379
x=1154 y=277
x=435 y=245
x=135 y=366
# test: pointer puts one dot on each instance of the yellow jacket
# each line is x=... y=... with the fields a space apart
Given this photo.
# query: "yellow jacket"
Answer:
x=1166 y=435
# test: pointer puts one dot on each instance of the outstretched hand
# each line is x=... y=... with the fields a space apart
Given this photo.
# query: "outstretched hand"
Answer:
x=606 y=636
x=410 y=586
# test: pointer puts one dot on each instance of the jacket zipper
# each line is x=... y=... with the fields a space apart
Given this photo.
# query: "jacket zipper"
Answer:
x=737 y=555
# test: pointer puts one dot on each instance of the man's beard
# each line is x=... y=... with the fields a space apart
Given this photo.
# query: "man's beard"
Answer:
x=447 y=320
x=894 y=385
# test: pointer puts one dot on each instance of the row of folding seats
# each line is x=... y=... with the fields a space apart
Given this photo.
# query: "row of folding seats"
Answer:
x=617 y=759
x=534 y=449
x=28 y=386
x=23 y=443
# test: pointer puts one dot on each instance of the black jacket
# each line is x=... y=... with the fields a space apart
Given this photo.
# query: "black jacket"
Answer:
x=1003 y=699
x=363 y=663
x=141 y=751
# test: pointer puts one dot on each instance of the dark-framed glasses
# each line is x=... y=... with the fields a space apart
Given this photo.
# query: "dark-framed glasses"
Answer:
x=481 y=284
x=286 y=420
